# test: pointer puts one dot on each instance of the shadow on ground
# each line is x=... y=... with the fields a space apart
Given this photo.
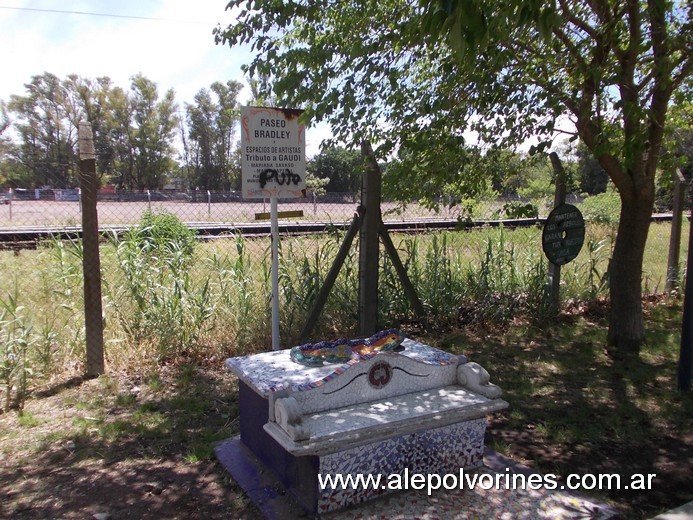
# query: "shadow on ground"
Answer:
x=128 y=448
x=573 y=411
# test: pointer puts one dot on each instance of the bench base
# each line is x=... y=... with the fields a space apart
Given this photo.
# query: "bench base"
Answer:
x=440 y=450
x=436 y=451
x=384 y=419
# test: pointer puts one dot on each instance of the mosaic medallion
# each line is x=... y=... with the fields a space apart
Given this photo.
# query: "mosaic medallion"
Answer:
x=380 y=374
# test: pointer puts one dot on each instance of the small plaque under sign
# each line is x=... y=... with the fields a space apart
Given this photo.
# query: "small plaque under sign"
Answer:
x=280 y=214
x=563 y=235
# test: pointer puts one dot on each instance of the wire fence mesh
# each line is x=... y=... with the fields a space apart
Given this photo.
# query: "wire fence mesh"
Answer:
x=175 y=291
x=61 y=208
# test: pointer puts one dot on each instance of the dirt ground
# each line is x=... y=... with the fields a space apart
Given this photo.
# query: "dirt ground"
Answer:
x=124 y=448
x=133 y=463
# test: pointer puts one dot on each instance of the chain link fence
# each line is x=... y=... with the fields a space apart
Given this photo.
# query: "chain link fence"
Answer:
x=60 y=209
x=187 y=273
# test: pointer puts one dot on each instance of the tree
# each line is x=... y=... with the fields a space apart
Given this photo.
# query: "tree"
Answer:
x=679 y=136
x=133 y=131
x=45 y=122
x=341 y=167
x=437 y=170
x=211 y=132
x=93 y=103
x=389 y=70
x=122 y=138
x=154 y=127
x=6 y=148
x=592 y=177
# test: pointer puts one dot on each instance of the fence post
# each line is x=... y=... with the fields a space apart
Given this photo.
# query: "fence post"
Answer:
x=149 y=199
x=559 y=198
x=672 y=282
x=685 y=369
x=369 y=244
x=10 y=192
x=91 y=263
x=209 y=204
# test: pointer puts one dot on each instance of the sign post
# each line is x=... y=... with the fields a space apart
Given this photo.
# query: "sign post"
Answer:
x=273 y=150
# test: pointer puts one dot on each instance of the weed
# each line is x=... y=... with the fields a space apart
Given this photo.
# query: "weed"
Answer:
x=16 y=340
x=86 y=422
x=167 y=295
x=163 y=233
x=160 y=301
x=499 y=446
x=155 y=383
x=126 y=399
x=505 y=283
x=108 y=384
x=28 y=420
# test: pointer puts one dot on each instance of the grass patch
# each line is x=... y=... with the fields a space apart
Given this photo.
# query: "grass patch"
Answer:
x=182 y=303
x=571 y=411
x=28 y=420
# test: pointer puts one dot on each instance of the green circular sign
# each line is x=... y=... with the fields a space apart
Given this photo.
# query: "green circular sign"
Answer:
x=563 y=235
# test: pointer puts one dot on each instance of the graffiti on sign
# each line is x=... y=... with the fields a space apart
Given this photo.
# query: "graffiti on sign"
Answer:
x=284 y=177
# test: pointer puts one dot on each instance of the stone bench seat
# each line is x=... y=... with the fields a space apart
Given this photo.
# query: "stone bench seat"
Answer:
x=421 y=409
x=354 y=425
x=388 y=395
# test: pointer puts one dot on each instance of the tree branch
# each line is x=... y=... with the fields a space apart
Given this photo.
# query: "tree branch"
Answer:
x=567 y=13
x=628 y=90
x=663 y=85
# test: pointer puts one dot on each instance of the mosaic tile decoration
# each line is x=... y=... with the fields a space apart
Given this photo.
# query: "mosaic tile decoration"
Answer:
x=343 y=350
x=479 y=504
x=437 y=451
x=271 y=371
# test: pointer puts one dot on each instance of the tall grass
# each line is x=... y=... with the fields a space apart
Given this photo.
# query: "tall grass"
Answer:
x=508 y=281
x=16 y=341
x=157 y=299
x=166 y=294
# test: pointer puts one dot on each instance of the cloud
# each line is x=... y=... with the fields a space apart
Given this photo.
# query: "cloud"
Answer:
x=173 y=47
x=170 y=43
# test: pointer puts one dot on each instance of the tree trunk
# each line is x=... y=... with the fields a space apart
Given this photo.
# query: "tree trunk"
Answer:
x=626 y=326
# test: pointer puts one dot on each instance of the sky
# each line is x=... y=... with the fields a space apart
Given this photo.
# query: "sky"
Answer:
x=168 y=41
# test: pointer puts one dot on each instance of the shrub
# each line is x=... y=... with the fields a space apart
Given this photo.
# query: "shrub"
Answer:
x=163 y=233
x=159 y=300
x=604 y=208
x=517 y=209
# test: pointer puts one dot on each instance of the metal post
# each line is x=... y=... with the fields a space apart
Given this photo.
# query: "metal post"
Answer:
x=408 y=287
x=369 y=245
x=686 y=352
x=149 y=199
x=672 y=282
x=275 y=273
x=209 y=204
x=559 y=198
x=10 y=192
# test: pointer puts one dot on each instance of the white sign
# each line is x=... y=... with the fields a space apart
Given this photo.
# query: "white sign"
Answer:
x=273 y=148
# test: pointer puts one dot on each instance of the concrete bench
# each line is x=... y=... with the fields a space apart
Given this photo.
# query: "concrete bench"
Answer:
x=385 y=396
x=421 y=410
